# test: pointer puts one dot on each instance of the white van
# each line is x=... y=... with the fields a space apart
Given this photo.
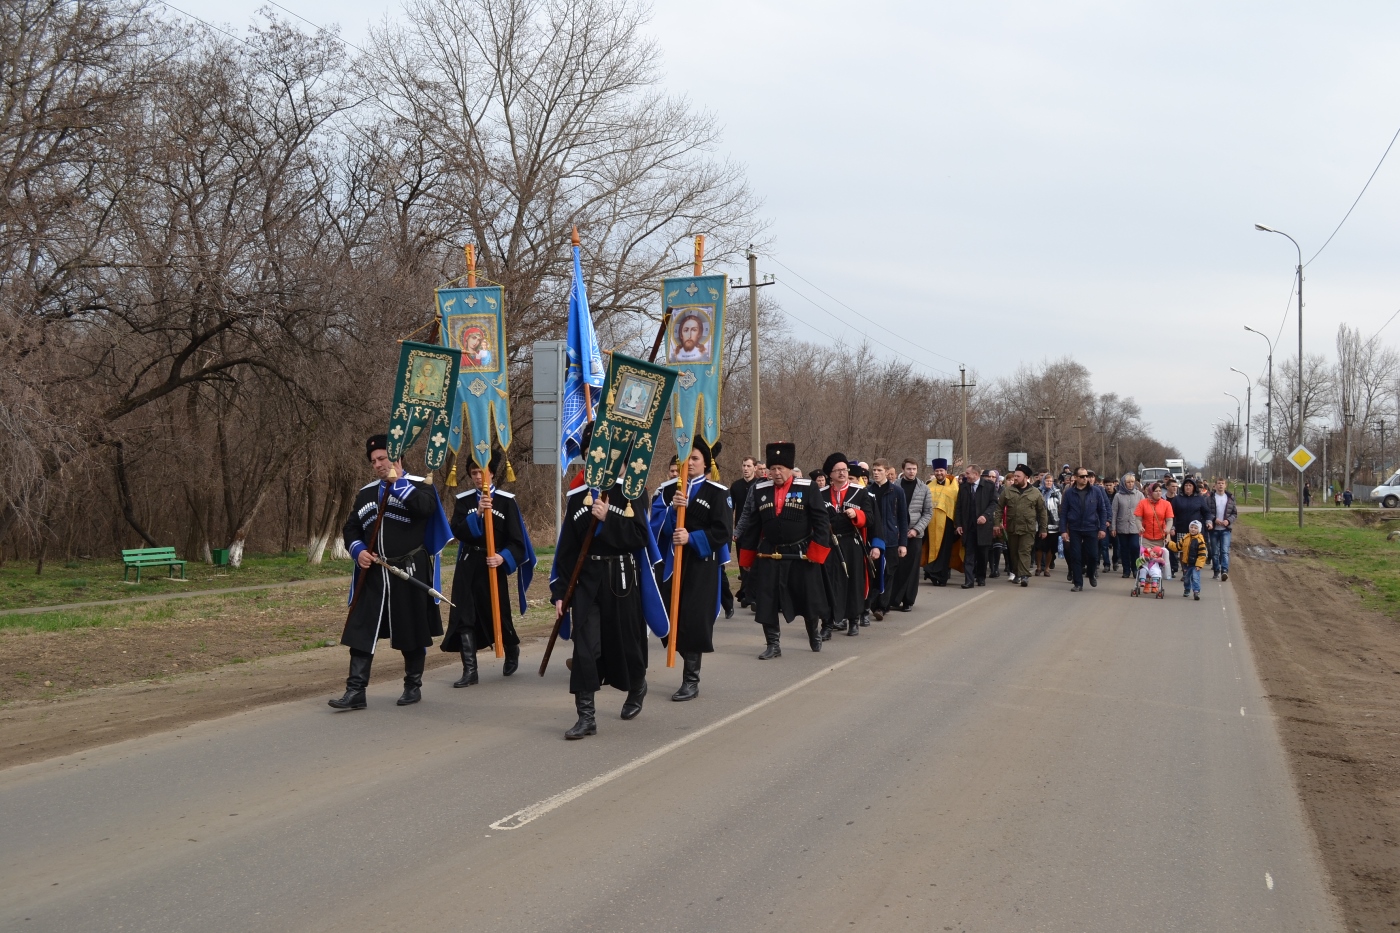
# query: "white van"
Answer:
x=1388 y=493
x=1178 y=469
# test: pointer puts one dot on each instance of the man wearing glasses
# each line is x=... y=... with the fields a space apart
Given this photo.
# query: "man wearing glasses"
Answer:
x=1083 y=523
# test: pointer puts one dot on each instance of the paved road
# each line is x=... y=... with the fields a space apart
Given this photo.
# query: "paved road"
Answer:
x=1000 y=760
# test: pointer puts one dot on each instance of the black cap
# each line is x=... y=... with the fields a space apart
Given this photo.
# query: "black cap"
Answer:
x=376 y=442
x=706 y=451
x=783 y=454
x=1023 y=470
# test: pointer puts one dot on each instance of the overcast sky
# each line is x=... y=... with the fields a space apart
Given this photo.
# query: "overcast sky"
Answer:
x=1013 y=182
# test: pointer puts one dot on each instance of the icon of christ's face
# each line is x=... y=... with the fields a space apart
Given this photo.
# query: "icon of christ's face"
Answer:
x=690 y=334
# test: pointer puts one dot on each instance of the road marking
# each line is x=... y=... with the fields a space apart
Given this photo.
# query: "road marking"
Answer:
x=942 y=614
x=1268 y=881
x=536 y=810
x=1241 y=710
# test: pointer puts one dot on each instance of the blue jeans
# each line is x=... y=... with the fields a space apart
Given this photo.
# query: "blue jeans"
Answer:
x=1191 y=579
x=1220 y=550
x=1129 y=550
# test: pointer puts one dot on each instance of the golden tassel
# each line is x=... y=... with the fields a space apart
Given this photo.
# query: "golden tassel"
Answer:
x=510 y=473
x=627 y=512
x=452 y=476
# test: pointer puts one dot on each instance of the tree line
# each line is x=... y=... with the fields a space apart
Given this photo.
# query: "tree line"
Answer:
x=210 y=244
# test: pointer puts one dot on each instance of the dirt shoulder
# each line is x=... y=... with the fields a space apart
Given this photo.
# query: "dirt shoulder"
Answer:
x=32 y=730
x=1332 y=671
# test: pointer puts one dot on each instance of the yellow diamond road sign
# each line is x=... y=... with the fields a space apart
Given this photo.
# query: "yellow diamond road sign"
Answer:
x=1301 y=458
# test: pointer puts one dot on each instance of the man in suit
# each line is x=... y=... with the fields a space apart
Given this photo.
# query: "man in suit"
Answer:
x=973 y=517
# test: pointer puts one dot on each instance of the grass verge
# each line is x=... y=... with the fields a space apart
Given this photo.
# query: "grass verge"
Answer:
x=86 y=580
x=1352 y=543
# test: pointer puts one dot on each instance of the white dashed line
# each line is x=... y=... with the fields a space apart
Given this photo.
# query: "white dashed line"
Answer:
x=1268 y=881
x=536 y=810
x=949 y=612
x=1241 y=710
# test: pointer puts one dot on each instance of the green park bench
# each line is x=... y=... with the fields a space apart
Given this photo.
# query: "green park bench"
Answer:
x=151 y=557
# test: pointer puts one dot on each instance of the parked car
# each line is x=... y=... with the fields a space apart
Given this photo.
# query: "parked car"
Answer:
x=1388 y=493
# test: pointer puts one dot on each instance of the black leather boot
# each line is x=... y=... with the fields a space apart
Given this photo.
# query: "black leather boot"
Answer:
x=865 y=619
x=469 y=673
x=690 y=680
x=826 y=630
x=587 y=723
x=413 y=677
x=814 y=634
x=633 y=704
x=355 y=684
x=839 y=625
x=852 y=627
x=512 y=660
x=771 y=636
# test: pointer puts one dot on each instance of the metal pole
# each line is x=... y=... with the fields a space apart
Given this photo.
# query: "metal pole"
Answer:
x=1117 y=468
x=1248 y=417
x=757 y=447
x=1235 y=439
x=1300 y=375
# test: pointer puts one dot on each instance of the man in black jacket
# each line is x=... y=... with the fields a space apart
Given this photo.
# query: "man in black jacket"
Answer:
x=739 y=493
x=893 y=510
x=977 y=502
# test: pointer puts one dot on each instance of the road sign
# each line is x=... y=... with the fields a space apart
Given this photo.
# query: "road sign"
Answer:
x=1301 y=458
x=1013 y=459
x=548 y=384
x=1264 y=456
x=938 y=449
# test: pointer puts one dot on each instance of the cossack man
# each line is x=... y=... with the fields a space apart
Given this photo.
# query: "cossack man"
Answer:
x=851 y=513
x=469 y=624
x=411 y=535
x=784 y=539
x=704 y=539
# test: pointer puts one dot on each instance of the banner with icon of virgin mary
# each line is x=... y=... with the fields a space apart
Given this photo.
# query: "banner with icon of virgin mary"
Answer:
x=694 y=308
x=423 y=395
x=473 y=323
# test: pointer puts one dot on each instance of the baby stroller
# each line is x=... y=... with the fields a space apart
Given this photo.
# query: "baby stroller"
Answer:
x=1149 y=578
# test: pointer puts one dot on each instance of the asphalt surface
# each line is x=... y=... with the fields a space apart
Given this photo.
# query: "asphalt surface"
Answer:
x=1002 y=759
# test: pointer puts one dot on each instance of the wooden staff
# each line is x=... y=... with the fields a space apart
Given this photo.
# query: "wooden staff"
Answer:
x=682 y=478
x=487 y=518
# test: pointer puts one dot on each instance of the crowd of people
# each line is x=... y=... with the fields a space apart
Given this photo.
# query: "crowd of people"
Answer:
x=841 y=547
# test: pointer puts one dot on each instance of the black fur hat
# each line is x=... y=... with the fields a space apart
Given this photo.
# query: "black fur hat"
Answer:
x=831 y=462
x=783 y=454
x=376 y=442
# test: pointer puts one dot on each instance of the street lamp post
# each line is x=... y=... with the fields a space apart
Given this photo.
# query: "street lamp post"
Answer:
x=1268 y=418
x=1235 y=441
x=1384 y=475
x=1117 y=471
x=1248 y=417
x=1300 y=355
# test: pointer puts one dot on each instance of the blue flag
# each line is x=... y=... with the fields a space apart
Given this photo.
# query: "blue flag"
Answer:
x=584 y=368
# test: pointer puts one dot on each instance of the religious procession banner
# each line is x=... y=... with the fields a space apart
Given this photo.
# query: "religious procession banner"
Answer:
x=635 y=396
x=423 y=396
x=474 y=324
x=694 y=346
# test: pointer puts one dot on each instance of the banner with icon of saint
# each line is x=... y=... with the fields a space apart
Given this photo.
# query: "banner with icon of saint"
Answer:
x=423 y=400
x=635 y=396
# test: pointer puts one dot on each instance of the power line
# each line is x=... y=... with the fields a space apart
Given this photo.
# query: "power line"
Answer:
x=864 y=318
x=206 y=22
x=322 y=29
x=837 y=317
x=1358 y=197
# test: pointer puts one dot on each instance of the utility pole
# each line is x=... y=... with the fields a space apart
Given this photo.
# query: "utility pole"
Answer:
x=1045 y=418
x=753 y=352
x=1103 y=461
x=1347 y=421
x=1079 y=433
x=1117 y=472
x=756 y=451
x=1248 y=416
x=963 y=384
